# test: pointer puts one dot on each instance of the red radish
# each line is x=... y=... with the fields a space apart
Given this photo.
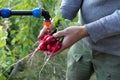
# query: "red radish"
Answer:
x=57 y=46
x=42 y=46
x=49 y=48
x=49 y=44
x=45 y=37
x=51 y=40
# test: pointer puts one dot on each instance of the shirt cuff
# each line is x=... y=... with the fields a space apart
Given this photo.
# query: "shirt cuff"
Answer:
x=95 y=30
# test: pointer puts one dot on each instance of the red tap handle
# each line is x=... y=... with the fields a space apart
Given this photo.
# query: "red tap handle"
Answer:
x=47 y=24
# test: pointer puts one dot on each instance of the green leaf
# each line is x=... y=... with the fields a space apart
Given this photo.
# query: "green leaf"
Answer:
x=3 y=37
x=3 y=43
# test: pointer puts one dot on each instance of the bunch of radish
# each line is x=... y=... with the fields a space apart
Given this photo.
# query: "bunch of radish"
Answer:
x=49 y=43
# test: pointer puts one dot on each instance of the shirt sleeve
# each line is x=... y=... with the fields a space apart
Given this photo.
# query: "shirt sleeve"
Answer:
x=69 y=8
x=105 y=27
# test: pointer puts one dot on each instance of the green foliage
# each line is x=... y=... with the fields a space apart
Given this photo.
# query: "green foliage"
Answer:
x=3 y=37
x=61 y=23
x=18 y=36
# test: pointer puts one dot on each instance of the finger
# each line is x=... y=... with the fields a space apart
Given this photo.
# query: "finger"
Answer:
x=41 y=34
x=59 y=34
x=47 y=53
x=52 y=54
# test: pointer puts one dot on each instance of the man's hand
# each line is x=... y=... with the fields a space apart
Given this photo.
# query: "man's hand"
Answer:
x=42 y=32
x=71 y=35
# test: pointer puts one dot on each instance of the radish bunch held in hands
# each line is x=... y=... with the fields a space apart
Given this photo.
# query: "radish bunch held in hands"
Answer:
x=49 y=43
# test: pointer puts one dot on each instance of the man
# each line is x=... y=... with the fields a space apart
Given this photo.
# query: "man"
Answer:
x=100 y=34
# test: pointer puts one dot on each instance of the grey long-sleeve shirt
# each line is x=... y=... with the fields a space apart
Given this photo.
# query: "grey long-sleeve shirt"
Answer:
x=102 y=21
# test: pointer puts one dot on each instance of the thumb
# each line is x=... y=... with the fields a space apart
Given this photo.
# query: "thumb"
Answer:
x=59 y=34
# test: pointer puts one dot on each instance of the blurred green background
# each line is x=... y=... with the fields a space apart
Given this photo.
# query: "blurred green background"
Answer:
x=18 y=36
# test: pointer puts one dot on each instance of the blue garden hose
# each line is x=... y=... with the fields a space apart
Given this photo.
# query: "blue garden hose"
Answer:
x=37 y=12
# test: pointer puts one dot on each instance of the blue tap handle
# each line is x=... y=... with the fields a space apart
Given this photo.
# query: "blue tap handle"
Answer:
x=36 y=12
x=5 y=12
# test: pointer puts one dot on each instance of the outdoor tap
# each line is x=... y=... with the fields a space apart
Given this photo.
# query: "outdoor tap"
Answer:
x=37 y=12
